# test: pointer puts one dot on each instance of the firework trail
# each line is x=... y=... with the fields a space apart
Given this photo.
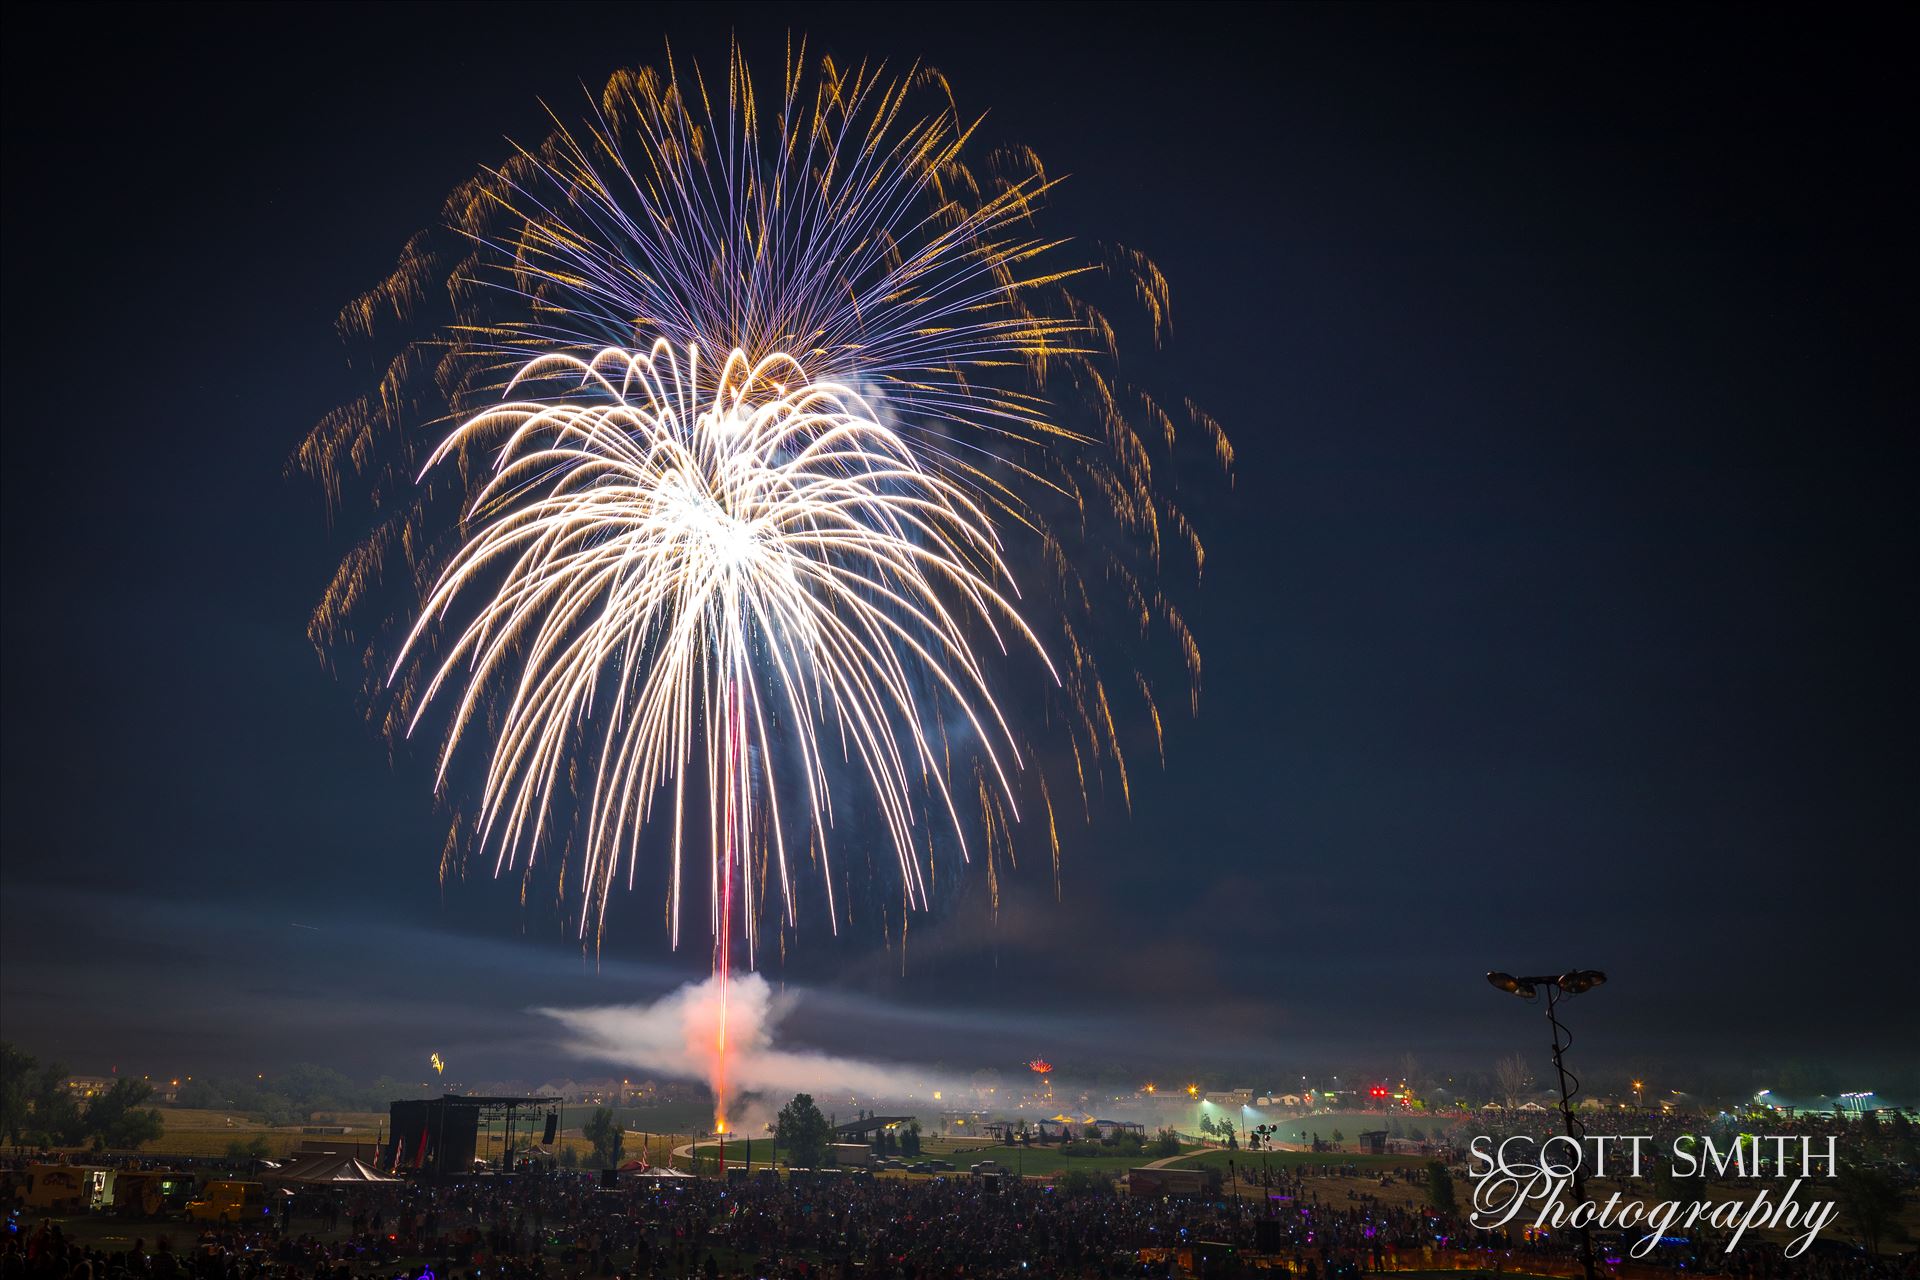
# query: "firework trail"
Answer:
x=742 y=414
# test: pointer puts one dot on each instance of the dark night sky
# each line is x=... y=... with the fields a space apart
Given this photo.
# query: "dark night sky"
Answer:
x=1562 y=611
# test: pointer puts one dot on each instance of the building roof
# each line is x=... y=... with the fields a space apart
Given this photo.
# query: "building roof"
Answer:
x=872 y=1124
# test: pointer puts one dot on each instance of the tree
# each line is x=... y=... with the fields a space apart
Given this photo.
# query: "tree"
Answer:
x=910 y=1141
x=1514 y=1079
x=607 y=1137
x=803 y=1131
x=114 y=1119
x=200 y=1095
x=1870 y=1202
x=1906 y=1145
x=1665 y=1185
x=1165 y=1143
x=309 y=1088
x=16 y=1084
x=1440 y=1189
x=54 y=1118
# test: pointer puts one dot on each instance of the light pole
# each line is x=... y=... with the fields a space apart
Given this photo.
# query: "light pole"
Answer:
x=1266 y=1132
x=1571 y=983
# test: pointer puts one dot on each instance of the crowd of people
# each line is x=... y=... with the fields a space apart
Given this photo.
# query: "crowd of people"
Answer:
x=564 y=1225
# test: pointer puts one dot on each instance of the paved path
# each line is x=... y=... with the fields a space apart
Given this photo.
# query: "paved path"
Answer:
x=1164 y=1161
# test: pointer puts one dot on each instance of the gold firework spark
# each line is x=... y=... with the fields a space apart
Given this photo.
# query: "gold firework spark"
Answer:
x=765 y=433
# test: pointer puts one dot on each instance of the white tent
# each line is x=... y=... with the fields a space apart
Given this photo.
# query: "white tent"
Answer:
x=657 y=1172
x=323 y=1168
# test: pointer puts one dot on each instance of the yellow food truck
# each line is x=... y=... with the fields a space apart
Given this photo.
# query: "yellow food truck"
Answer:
x=229 y=1201
x=151 y=1193
x=68 y=1188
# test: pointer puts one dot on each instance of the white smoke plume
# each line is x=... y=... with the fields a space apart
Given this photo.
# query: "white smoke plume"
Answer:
x=678 y=1035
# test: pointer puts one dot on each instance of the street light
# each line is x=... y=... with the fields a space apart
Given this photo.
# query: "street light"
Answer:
x=1571 y=983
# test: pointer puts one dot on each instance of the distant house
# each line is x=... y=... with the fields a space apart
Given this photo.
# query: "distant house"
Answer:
x=867 y=1128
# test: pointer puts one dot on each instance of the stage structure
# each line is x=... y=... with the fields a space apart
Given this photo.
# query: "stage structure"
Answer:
x=454 y=1136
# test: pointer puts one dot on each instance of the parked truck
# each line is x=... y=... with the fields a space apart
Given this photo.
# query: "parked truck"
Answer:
x=68 y=1188
x=231 y=1201
x=151 y=1193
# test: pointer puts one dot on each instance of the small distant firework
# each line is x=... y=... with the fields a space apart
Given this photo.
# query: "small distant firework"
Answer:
x=438 y=1064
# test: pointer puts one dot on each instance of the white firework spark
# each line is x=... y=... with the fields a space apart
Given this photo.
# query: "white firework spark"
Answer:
x=738 y=566
x=749 y=409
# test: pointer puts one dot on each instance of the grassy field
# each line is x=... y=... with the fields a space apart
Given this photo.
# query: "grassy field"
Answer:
x=949 y=1146
x=210 y=1133
x=657 y=1129
x=1217 y=1159
x=1349 y=1124
x=1048 y=1160
x=213 y=1133
x=1034 y=1162
x=659 y=1117
x=706 y=1155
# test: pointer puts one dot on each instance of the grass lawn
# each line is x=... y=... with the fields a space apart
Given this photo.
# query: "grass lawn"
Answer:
x=963 y=1151
x=1031 y=1161
x=190 y=1132
x=656 y=1117
x=1040 y=1161
x=1350 y=1124
x=707 y=1155
x=1245 y=1160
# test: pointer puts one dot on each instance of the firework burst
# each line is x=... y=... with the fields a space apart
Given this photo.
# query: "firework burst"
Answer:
x=708 y=556
x=745 y=419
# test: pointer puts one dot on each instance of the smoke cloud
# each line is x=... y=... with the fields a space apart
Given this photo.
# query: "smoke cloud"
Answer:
x=678 y=1035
